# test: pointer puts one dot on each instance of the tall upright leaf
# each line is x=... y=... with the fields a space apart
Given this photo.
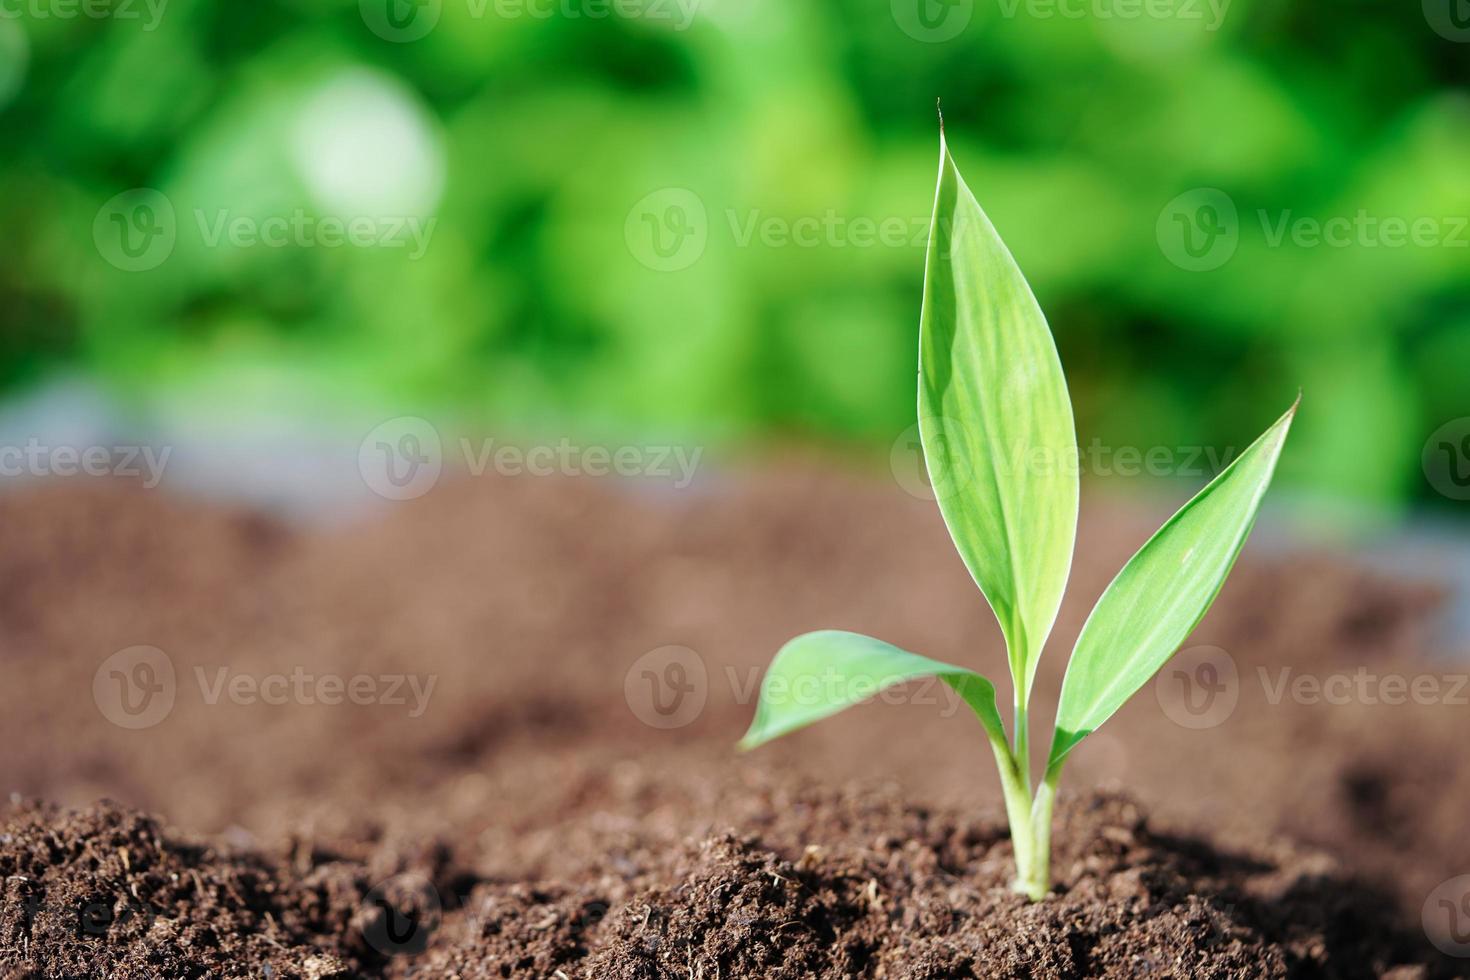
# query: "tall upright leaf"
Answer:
x=1163 y=592
x=996 y=422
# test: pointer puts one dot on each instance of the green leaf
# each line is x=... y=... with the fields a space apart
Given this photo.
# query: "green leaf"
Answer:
x=996 y=422
x=819 y=674
x=1162 y=593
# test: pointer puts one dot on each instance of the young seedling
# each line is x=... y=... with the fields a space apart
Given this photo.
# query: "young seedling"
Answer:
x=995 y=422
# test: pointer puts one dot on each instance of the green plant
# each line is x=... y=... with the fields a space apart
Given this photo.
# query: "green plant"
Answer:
x=996 y=426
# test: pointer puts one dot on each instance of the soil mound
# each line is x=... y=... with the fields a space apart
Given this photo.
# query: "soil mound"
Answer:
x=879 y=889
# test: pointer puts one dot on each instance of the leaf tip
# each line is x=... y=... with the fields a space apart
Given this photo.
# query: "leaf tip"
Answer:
x=1284 y=423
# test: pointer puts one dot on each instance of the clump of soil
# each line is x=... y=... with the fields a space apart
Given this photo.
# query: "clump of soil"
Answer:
x=878 y=889
x=103 y=892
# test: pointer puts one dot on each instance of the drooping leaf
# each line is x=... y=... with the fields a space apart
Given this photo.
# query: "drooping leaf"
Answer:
x=1163 y=592
x=819 y=674
x=996 y=422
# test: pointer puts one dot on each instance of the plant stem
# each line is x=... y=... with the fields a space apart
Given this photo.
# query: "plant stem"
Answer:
x=1022 y=750
x=1018 y=811
x=1035 y=880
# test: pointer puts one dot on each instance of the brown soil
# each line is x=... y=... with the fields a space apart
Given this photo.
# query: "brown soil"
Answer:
x=528 y=823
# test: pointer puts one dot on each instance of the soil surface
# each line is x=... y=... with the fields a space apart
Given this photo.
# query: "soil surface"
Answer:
x=490 y=735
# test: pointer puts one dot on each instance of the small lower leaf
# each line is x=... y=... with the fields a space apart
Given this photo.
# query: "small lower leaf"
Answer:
x=819 y=674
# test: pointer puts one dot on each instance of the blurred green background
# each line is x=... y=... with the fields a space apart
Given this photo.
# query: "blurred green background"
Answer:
x=705 y=218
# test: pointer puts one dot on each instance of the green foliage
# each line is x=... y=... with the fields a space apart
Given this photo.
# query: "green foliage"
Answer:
x=528 y=304
x=852 y=668
x=996 y=423
x=1162 y=593
x=1008 y=493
